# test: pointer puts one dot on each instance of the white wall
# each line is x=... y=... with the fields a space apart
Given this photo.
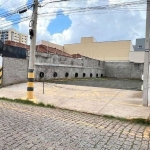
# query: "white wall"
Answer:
x=137 y=56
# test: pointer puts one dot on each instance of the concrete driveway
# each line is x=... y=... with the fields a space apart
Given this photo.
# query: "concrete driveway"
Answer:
x=101 y=101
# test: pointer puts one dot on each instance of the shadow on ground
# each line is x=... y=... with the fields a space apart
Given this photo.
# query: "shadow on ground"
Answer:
x=127 y=84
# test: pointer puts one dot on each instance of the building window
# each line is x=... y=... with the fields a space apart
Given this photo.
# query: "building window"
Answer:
x=140 y=46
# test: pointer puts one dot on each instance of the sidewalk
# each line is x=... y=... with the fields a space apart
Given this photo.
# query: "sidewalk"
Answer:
x=95 y=100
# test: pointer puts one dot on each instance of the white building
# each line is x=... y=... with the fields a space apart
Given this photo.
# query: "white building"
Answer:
x=13 y=35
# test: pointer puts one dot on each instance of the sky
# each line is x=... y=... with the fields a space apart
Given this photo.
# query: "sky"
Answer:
x=57 y=24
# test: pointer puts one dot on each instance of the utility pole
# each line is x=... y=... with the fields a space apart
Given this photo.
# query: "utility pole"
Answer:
x=32 y=32
x=146 y=60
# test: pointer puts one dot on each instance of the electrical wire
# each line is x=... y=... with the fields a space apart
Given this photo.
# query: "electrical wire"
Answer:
x=79 y=10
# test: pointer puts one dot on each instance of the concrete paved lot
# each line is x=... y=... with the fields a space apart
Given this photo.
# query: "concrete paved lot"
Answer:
x=101 y=101
x=128 y=84
x=25 y=127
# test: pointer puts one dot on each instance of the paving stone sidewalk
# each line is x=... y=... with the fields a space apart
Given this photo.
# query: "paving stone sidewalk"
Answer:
x=24 y=127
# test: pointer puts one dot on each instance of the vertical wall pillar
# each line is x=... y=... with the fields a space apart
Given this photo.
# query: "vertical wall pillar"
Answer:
x=146 y=78
x=146 y=60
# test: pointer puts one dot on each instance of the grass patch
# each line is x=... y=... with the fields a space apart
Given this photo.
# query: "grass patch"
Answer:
x=50 y=106
x=41 y=104
x=28 y=102
x=134 y=120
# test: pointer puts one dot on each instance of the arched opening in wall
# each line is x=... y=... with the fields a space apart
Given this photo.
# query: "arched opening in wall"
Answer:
x=55 y=74
x=102 y=75
x=76 y=75
x=91 y=75
x=97 y=75
x=66 y=74
x=41 y=74
x=84 y=74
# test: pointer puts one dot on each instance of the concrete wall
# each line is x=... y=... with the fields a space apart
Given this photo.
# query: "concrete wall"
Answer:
x=50 y=63
x=62 y=70
x=14 y=71
x=124 y=69
x=56 y=59
x=137 y=56
x=107 y=51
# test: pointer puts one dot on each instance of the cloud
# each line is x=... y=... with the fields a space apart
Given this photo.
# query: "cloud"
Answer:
x=104 y=25
x=42 y=24
x=12 y=4
x=4 y=22
x=110 y=26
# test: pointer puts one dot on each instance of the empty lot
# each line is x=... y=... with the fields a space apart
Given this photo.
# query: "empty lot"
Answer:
x=127 y=84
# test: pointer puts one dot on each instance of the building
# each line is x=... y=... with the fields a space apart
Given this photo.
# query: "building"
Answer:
x=137 y=56
x=140 y=45
x=107 y=51
x=23 y=38
x=52 y=45
x=13 y=35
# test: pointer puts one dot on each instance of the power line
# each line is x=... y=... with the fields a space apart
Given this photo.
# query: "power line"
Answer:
x=4 y=3
x=117 y=7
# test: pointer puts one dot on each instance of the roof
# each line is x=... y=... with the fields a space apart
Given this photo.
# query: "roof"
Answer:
x=39 y=48
x=17 y=44
x=76 y=56
x=46 y=49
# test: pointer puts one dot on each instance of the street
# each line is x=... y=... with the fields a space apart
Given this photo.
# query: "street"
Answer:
x=24 y=127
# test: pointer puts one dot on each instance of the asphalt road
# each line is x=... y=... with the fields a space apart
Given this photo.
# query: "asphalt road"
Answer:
x=24 y=127
x=127 y=84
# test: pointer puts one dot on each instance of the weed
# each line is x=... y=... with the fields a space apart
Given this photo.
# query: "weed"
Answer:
x=133 y=120
x=41 y=104
x=50 y=106
x=28 y=102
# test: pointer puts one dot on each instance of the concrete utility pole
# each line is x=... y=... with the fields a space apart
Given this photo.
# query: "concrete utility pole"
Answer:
x=32 y=32
x=146 y=60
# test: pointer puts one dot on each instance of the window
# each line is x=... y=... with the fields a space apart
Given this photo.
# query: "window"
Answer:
x=140 y=46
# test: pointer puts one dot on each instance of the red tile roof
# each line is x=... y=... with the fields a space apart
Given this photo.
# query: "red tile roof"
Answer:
x=17 y=44
x=76 y=56
x=46 y=49
x=39 y=48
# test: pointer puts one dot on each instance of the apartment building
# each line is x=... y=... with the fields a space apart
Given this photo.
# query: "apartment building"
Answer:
x=140 y=45
x=13 y=35
x=23 y=38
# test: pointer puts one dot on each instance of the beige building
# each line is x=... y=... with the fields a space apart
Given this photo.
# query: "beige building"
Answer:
x=108 y=51
x=137 y=56
x=49 y=44
x=13 y=35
